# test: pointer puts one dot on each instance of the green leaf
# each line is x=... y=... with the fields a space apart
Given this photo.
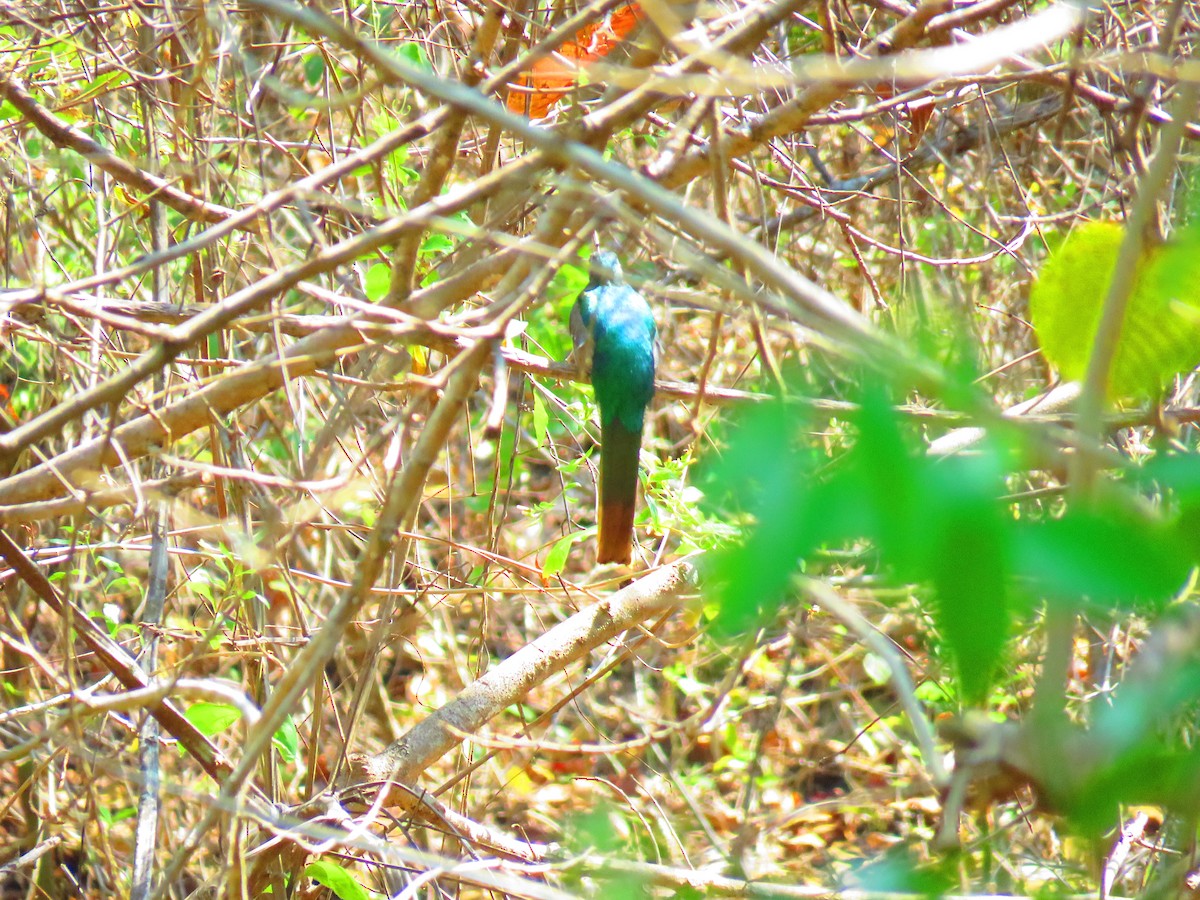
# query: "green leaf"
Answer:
x=1177 y=475
x=377 y=282
x=337 y=879
x=768 y=477
x=969 y=547
x=939 y=523
x=1150 y=774
x=287 y=740
x=212 y=718
x=314 y=68
x=382 y=124
x=568 y=282
x=109 y=818
x=436 y=243
x=1065 y=301
x=415 y=54
x=1137 y=757
x=541 y=420
x=899 y=871
x=597 y=829
x=1176 y=472
x=556 y=559
x=885 y=473
x=1160 y=336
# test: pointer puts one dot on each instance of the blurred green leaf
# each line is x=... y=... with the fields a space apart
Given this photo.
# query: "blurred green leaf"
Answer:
x=1148 y=774
x=970 y=545
x=1178 y=473
x=567 y=282
x=436 y=243
x=1144 y=705
x=1112 y=554
x=890 y=502
x=767 y=472
x=937 y=522
x=898 y=872
x=548 y=326
x=541 y=420
x=598 y=829
x=1176 y=476
x=1065 y=301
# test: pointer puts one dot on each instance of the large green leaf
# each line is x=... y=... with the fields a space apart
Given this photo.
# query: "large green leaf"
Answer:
x=1160 y=336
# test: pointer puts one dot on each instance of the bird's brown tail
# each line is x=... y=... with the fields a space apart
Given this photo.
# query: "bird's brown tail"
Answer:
x=618 y=491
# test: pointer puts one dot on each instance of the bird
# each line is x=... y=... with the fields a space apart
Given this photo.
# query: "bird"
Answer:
x=613 y=332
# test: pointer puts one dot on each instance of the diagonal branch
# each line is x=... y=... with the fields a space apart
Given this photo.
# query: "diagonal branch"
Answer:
x=507 y=683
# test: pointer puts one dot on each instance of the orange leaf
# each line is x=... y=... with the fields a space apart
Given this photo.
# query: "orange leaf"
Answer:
x=919 y=114
x=535 y=91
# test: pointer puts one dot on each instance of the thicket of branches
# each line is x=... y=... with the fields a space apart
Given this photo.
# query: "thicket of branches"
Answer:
x=298 y=500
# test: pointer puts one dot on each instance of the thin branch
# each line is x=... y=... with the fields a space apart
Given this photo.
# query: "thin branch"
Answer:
x=70 y=138
x=882 y=647
x=179 y=338
x=117 y=661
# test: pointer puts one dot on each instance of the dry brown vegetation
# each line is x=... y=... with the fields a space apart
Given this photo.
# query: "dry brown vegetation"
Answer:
x=298 y=485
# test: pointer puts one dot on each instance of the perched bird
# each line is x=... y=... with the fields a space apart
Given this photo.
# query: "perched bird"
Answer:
x=614 y=336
